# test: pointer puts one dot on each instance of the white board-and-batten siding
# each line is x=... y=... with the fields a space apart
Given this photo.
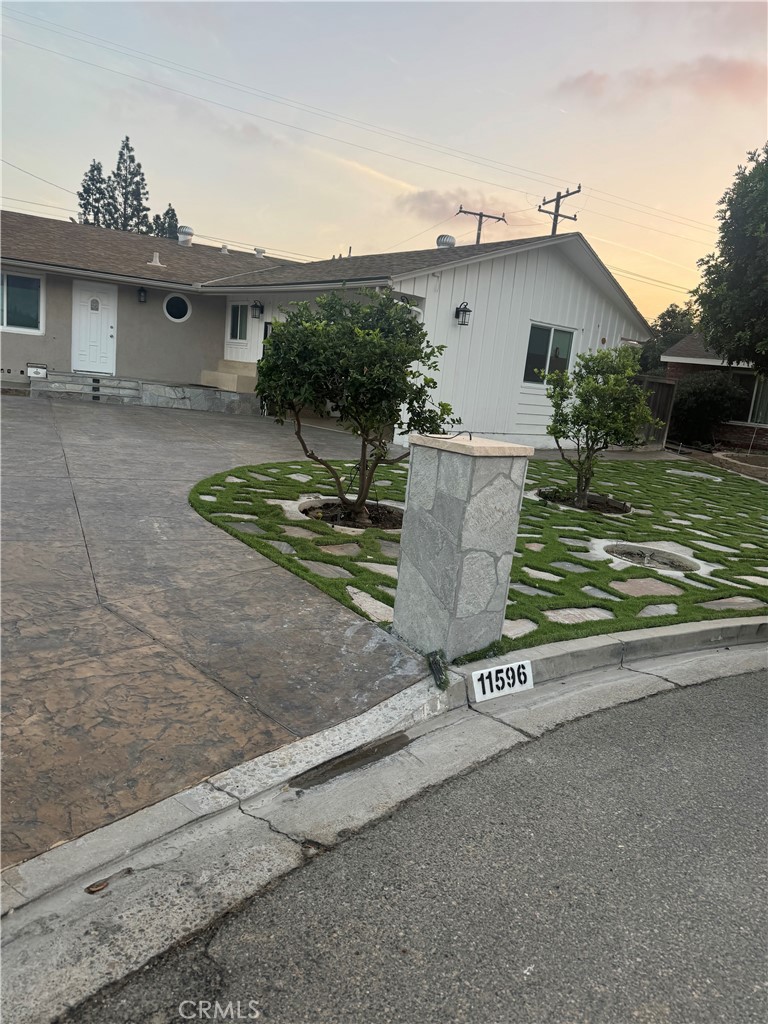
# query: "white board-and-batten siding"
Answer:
x=481 y=371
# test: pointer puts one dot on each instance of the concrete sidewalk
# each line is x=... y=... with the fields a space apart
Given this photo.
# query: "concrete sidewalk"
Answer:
x=144 y=651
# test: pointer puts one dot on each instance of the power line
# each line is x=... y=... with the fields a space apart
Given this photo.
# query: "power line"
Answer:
x=538 y=176
x=262 y=117
x=648 y=280
x=30 y=202
x=418 y=233
x=16 y=168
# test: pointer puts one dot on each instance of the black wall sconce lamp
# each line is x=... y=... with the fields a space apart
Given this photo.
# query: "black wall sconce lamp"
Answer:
x=141 y=294
x=257 y=308
x=462 y=314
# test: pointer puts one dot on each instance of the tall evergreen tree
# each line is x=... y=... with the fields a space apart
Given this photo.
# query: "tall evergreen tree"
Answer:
x=94 y=196
x=127 y=189
x=166 y=226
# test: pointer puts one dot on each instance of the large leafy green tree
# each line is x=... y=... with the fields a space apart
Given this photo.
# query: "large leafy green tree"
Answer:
x=733 y=295
x=670 y=326
x=94 y=196
x=597 y=404
x=366 y=362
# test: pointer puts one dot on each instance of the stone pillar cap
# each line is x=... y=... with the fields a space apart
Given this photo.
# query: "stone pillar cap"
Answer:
x=479 y=447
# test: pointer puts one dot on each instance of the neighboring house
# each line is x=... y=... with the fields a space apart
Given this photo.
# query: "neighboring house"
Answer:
x=94 y=301
x=749 y=429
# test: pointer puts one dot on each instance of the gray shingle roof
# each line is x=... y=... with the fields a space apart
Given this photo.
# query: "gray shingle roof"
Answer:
x=377 y=266
x=82 y=247
x=690 y=347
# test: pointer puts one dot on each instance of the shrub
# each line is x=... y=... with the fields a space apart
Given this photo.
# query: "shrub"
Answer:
x=702 y=402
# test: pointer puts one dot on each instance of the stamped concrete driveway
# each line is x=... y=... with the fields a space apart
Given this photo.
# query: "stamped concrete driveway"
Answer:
x=145 y=650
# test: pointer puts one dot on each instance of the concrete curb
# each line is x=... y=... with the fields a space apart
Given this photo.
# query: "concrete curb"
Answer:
x=172 y=868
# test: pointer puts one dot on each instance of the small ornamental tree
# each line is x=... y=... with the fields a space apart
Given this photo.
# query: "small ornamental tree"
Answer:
x=594 y=406
x=366 y=362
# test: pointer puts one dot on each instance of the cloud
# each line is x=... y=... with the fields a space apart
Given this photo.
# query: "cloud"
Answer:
x=430 y=204
x=705 y=78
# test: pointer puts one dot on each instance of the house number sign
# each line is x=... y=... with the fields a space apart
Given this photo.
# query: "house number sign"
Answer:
x=496 y=682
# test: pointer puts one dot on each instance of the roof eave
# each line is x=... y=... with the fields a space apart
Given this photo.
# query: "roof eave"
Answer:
x=58 y=268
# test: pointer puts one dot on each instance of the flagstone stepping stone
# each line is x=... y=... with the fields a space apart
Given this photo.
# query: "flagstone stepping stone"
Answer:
x=348 y=529
x=234 y=480
x=341 y=549
x=382 y=483
x=258 y=476
x=697 y=583
x=759 y=581
x=570 y=567
x=217 y=487
x=695 y=515
x=754 y=547
x=701 y=533
x=645 y=588
x=514 y=628
x=248 y=528
x=301 y=477
x=537 y=574
x=693 y=473
x=574 y=542
x=681 y=522
x=726 y=603
x=523 y=588
x=728 y=583
x=390 y=548
x=569 y=616
x=641 y=512
x=666 y=529
x=330 y=572
x=716 y=547
x=298 y=531
x=208 y=497
x=377 y=610
x=283 y=546
x=386 y=570
x=597 y=592
x=389 y=590
x=535 y=547
x=652 y=610
x=232 y=515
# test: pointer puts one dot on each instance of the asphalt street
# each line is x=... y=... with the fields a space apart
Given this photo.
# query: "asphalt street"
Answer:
x=612 y=872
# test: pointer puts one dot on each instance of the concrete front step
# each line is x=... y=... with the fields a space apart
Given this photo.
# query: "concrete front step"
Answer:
x=234 y=366
x=228 y=381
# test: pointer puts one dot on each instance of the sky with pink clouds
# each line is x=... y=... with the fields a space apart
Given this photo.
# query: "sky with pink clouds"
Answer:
x=312 y=127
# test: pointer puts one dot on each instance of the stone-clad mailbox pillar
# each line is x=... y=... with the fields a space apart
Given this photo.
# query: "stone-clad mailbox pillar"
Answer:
x=459 y=531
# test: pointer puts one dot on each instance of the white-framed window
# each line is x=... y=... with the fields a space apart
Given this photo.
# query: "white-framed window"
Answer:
x=754 y=407
x=177 y=308
x=549 y=348
x=238 y=322
x=22 y=303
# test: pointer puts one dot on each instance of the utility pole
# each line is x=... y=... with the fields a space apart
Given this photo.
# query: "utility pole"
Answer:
x=556 y=216
x=480 y=218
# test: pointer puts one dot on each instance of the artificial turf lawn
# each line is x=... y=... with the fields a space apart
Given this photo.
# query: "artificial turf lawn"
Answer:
x=690 y=510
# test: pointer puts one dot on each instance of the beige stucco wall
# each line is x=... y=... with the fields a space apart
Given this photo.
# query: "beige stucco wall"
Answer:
x=149 y=345
x=54 y=347
x=152 y=347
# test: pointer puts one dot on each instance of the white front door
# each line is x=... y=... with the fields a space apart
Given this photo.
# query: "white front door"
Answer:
x=94 y=327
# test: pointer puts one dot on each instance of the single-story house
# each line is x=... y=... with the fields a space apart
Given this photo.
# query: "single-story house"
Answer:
x=97 y=303
x=749 y=429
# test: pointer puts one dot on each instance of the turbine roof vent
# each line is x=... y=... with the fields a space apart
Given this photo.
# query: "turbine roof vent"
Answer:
x=185 y=234
x=445 y=241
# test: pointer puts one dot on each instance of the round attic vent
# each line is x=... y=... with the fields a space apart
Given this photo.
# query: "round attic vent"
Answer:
x=445 y=241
